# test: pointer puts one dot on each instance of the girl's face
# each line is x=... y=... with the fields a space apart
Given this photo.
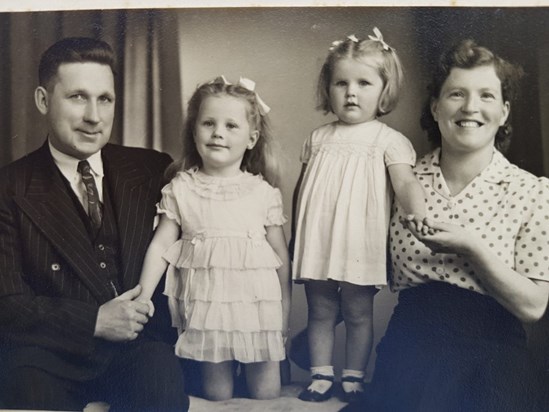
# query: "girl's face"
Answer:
x=470 y=109
x=355 y=90
x=222 y=134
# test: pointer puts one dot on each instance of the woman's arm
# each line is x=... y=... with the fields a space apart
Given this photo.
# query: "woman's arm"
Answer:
x=154 y=265
x=524 y=297
x=277 y=240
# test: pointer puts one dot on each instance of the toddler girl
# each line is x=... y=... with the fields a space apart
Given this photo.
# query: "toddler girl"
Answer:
x=220 y=236
x=350 y=168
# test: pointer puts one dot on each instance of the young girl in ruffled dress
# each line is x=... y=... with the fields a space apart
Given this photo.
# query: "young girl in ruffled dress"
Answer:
x=220 y=237
x=350 y=169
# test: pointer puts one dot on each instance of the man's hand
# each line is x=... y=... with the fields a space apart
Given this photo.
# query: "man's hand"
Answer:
x=123 y=318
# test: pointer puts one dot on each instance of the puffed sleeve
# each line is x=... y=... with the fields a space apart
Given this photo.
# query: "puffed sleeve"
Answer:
x=275 y=213
x=306 y=151
x=399 y=150
x=168 y=203
x=531 y=247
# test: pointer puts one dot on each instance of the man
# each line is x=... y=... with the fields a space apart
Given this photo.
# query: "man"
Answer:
x=73 y=236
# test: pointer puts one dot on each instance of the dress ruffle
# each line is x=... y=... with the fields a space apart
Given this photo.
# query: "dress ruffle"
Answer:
x=219 y=346
x=223 y=306
x=222 y=285
x=245 y=317
x=245 y=250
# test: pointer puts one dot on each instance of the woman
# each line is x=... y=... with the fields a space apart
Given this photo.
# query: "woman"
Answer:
x=455 y=340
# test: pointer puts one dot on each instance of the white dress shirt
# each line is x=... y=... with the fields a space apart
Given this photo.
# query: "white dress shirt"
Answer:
x=67 y=165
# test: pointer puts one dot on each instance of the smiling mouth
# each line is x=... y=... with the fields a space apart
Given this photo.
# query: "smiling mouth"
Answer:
x=89 y=133
x=469 y=124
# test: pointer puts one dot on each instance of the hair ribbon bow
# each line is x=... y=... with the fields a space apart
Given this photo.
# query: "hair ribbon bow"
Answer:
x=248 y=85
x=379 y=37
x=336 y=43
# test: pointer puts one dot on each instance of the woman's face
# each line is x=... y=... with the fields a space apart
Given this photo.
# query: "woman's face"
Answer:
x=470 y=109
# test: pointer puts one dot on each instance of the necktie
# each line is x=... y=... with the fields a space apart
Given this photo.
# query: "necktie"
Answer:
x=94 y=205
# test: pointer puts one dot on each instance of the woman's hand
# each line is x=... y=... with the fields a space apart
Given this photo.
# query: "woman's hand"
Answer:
x=443 y=237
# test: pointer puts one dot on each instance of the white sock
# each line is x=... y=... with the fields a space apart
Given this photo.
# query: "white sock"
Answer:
x=352 y=386
x=321 y=385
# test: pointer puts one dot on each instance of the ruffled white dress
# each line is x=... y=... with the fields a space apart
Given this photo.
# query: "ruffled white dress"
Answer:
x=222 y=285
x=344 y=202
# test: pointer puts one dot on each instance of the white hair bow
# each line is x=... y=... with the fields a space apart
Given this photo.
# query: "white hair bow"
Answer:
x=379 y=37
x=336 y=43
x=248 y=85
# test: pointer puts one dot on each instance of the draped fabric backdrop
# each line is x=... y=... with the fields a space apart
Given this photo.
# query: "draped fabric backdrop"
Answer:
x=148 y=85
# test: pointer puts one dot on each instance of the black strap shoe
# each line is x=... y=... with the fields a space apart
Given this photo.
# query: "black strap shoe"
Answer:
x=309 y=395
x=352 y=396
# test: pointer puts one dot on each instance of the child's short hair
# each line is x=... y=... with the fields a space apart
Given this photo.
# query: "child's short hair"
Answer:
x=385 y=59
x=468 y=55
x=261 y=159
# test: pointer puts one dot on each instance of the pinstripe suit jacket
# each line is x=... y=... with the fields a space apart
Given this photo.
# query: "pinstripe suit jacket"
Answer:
x=50 y=281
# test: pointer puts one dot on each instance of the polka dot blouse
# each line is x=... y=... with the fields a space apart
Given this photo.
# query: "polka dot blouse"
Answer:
x=506 y=207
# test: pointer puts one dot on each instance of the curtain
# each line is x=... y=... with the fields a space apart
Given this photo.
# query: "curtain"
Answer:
x=148 y=86
x=153 y=92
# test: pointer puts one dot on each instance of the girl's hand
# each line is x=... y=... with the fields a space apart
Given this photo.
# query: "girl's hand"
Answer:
x=149 y=303
x=445 y=237
x=285 y=335
x=416 y=224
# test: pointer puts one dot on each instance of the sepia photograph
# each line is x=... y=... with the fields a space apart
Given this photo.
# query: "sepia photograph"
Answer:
x=274 y=207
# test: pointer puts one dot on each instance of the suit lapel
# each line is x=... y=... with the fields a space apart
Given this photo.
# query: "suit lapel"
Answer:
x=133 y=203
x=49 y=205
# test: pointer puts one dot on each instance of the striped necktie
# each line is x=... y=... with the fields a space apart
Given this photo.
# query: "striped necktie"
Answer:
x=94 y=204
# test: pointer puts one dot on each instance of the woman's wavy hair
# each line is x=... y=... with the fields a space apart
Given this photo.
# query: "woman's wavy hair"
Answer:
x=468 y=55
x=261 y=159
x=385 y=60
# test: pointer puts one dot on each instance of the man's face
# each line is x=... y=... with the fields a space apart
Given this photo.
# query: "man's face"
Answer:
x=79 y=107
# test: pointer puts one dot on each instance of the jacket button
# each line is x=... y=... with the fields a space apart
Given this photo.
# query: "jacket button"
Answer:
x=102 y=265
x=55 y=267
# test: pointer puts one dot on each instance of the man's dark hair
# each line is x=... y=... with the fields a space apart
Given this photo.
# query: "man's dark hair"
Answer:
x=73 y=50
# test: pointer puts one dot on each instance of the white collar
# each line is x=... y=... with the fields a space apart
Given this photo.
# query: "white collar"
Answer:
x=498 y=170
x=68 y=164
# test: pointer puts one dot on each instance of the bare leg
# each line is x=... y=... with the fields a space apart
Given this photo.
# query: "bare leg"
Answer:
x=357 y=306
x=323 y=304
x=263 y=379
x=217 y=380
x=323 y=308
